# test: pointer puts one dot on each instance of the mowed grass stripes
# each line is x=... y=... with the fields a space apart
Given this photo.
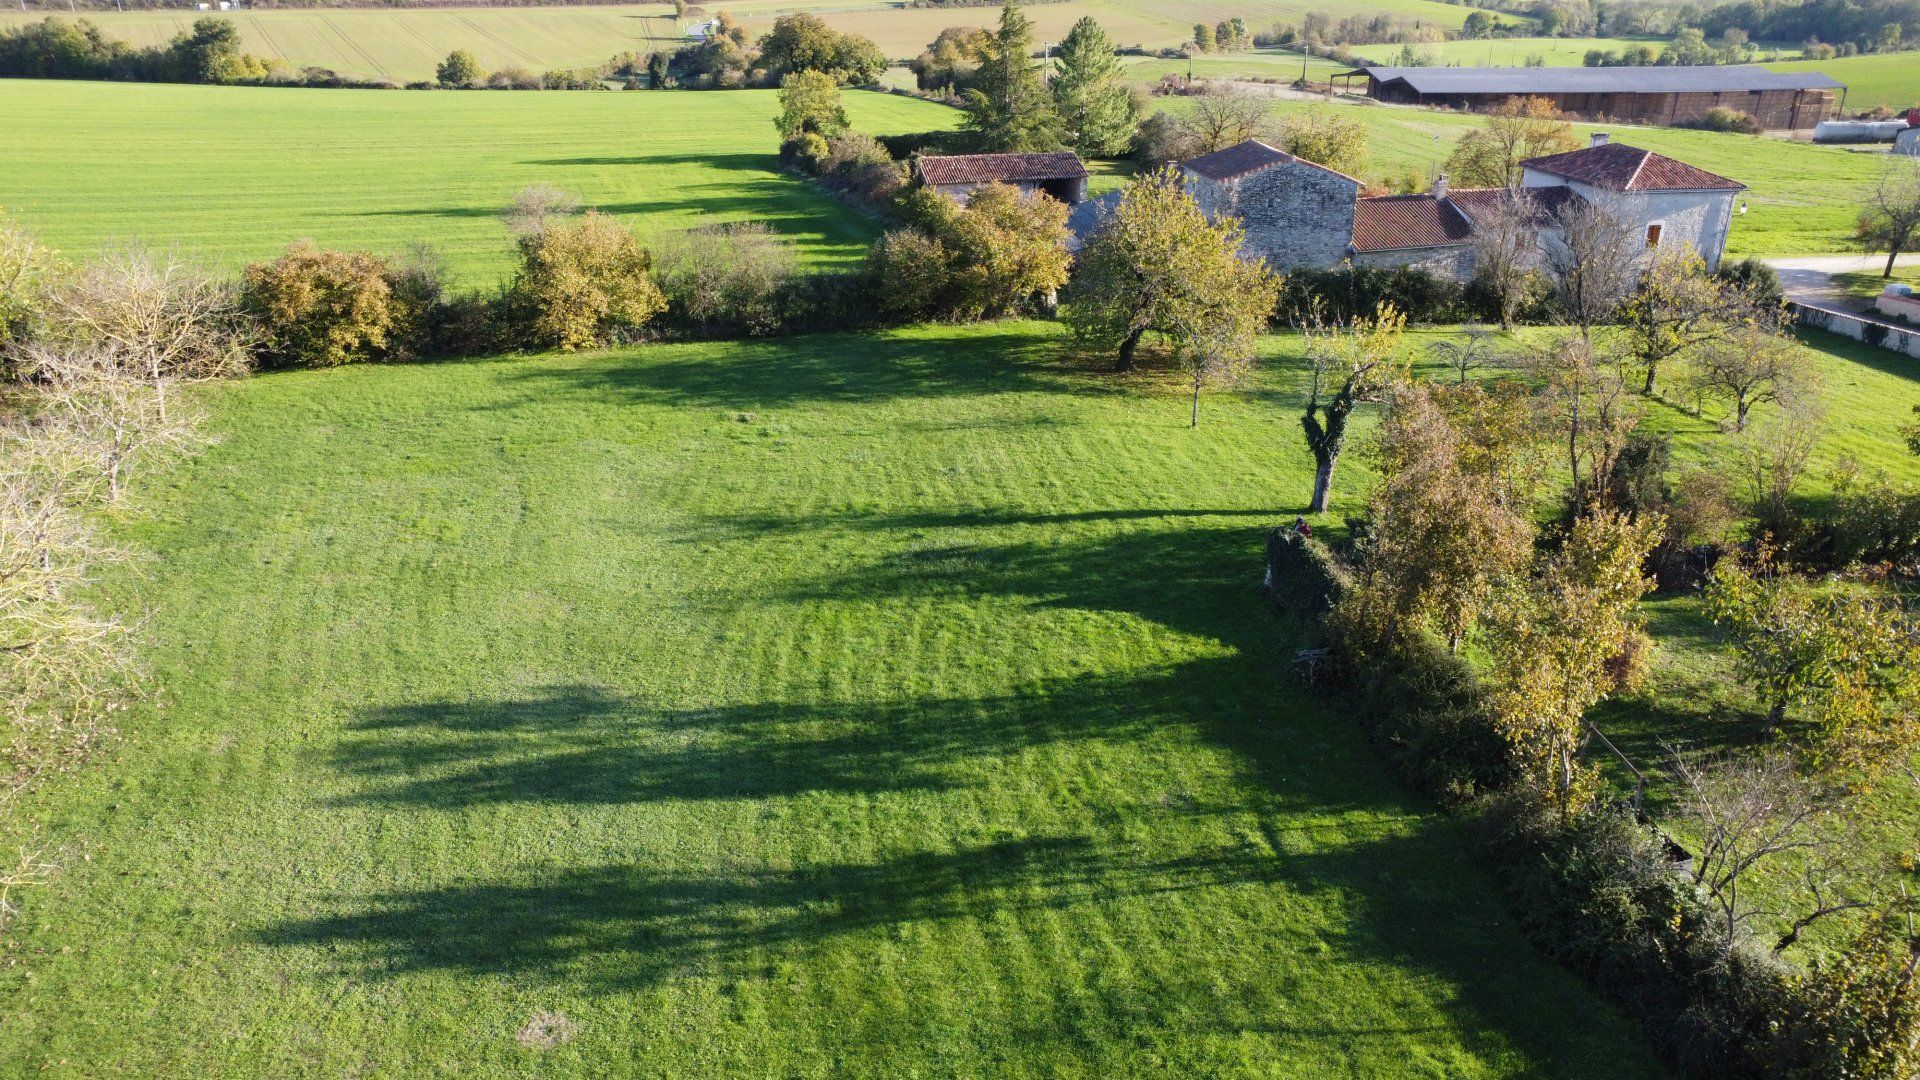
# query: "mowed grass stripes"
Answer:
x=897 y=705
x=234 y=174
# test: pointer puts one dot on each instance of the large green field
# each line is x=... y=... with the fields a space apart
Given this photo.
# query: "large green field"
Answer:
x=881 y=706
x=405 y=44
x=1890 y=79
x=234 y=174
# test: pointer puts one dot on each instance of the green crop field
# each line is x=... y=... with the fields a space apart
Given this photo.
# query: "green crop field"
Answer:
x=234 y=174
x=1890 y=79
x=873 y=706
x=405 y=44
x=1506 y=52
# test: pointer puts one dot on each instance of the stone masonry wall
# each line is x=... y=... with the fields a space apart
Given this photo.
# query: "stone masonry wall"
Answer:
x=1295 y=214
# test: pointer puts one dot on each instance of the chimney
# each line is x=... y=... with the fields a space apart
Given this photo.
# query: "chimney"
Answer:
x=1600 y=138
x=1440 y=186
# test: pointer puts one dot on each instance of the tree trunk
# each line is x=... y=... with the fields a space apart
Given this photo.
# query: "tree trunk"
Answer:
x=1193 y=421
x=1893 y=254
x=1322 y=482
x=1127 y=348
x=1776 y=716
x=1653 y=376
x=1740 y=407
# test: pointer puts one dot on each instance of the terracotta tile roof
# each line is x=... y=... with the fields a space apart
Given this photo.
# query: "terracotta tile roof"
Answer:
x=1387 y=222
x=1477 y=203
x=1002 y=168
x=1628 y=168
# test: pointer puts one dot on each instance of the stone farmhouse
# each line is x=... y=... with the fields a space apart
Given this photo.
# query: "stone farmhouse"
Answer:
x=1299 y=214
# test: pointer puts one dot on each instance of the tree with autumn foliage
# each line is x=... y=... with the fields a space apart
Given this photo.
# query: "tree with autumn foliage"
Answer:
x=1158 y=266
x=1837 y=658
x=1554 y=640
x=1680 y=307
x=1517 y=129
x=1450 y=517
x=1347 y=364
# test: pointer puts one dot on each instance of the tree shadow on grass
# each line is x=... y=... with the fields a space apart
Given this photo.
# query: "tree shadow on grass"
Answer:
x=1394 y=878
x=827 y=368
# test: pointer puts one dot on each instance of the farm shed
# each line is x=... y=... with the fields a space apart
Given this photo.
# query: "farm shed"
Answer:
x=1645 y=95
x=1059 y=174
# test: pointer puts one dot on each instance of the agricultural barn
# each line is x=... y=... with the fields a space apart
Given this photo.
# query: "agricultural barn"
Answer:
x=1059 y=174
x=1780 y=101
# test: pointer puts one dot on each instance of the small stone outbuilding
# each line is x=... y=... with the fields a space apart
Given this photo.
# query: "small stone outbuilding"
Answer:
x=1060 y=175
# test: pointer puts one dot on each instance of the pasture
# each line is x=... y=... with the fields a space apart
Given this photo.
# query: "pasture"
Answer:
x=405 y=44
x=234 y=174
x=1889 y=79
x=882 y=706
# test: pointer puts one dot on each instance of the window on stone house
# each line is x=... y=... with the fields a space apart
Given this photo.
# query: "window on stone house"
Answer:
x=1653 y=234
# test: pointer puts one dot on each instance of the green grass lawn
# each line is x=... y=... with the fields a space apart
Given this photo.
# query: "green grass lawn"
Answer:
x=1866 y=286
x=1890 y=79
x=234 y=174
x=886 y=706
x=1507 y=52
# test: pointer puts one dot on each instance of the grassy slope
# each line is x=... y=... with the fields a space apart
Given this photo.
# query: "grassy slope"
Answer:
x=1890 y=79
x=237 y=173
x=1802 y=197
x=856 y=706
x=405 y=45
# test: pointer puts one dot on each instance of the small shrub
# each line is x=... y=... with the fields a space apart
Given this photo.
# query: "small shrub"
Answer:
x=806 y=151
x=582 y=283
x=1722 y=118
x=912 y=273
x=321 y=308
x=1761 y=280
x=725 y=278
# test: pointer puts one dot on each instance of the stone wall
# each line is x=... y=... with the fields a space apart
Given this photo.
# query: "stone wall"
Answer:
x=1906 y=342
x=1295 y=214
x=1448 y=262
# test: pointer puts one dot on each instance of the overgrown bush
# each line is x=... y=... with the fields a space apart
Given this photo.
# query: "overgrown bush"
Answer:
x=320 y=308
x=1722 y=118
x=581 y=283
x=911 y=275
x=722 y=279
x=1876 y=523
x=1760 y=281
x=1358 y=292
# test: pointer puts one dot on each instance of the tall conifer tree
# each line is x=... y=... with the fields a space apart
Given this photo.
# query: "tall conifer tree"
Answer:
x=1008 y=107
x=1090 y=94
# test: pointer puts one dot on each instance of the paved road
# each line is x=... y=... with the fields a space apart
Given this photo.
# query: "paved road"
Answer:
x=1810 y=277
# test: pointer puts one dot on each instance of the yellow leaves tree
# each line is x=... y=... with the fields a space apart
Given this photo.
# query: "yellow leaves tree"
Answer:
x=1348 y=364
x=1554 y=641
x=1517 y=129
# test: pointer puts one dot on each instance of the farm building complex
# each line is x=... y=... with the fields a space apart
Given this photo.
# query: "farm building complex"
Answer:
x=1779 y=101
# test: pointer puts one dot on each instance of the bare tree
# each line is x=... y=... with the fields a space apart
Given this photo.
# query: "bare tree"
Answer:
x=1751 y=812
x=1227 y=114
x=1750 y=364
x=1771 y=457
x=1506 y=249
x=1891 y=221
x=1474 y=349
x=149 y=317
x=537 y=207
x=1593 y=260
x=1588 y=402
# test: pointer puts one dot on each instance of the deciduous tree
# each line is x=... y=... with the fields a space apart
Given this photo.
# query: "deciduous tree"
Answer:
x=810 y=103
x=1839 y=658
x=1327 y=138
x=1157 y=265
x=1891 y=221
x=1552 y=641
x=1750 y=363
x=1347 y=365
x=1517 y=129
x=1225 y=115
x=1679 y=307
x=582 y=283
x=460 y=68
